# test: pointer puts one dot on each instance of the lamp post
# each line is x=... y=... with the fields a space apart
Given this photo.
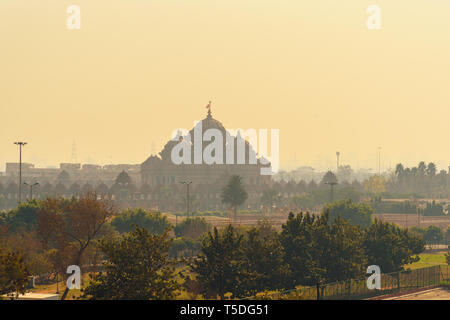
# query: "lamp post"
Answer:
x=20 y=144
x=31 y=188
x=379 y=161
x=187 y=183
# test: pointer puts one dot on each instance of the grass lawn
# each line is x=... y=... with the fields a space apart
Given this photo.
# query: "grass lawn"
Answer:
x=428 y=260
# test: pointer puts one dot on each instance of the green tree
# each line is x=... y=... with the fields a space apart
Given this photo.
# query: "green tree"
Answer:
x=192 y=228
x=344 y=256
x=219 y=266
x=375 y=184
x=298 y=238
x=264 y=265
x=305 y=200
x=270 y=197
x=391 y=247
x=136 y=268
x=24 y=217
x=433 y=235
x=356 y=214
x=234 y=194
x=154 y=222
x=183 y=246
x=316 y=249
x=13 y=273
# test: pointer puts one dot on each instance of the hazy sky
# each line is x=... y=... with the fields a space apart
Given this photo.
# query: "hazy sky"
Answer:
x=138 y=69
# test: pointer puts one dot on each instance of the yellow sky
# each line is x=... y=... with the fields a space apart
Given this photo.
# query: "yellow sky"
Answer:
x=138 y=69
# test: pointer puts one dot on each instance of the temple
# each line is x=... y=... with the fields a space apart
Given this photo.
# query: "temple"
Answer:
x=161 y=170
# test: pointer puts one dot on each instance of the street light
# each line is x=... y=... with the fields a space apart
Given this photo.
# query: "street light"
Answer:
x=20 y=144
x=31 y=188
x=187 y=183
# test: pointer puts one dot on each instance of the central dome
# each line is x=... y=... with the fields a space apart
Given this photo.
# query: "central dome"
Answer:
x=209 y=123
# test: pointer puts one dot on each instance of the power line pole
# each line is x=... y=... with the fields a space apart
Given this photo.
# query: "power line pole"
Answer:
x=379 y=161
x=187 y=183
x=20 y=144
x=31 y=188
x=337 y=160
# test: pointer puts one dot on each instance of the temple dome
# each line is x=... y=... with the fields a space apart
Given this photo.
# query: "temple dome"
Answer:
x=209 y=123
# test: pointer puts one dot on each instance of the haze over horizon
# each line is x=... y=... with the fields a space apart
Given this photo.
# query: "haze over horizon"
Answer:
x=137 y=70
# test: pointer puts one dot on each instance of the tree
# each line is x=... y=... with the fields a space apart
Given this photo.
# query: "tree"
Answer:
x=431 y=169
x=234 y=194
x=192 y=228
x=71 y=225
x=356 y=214
x=301 y=249
x=13 y=273
x=136 y=268
x=264 y=266
x=316 y=249
x=220 y=263
x=375 y=185
x=127 y=221
x=270 y=197
x=305 y=200
x=344 y=257
x=24 y=217
x=433 y=235
x=391 y=247
x=185 y=245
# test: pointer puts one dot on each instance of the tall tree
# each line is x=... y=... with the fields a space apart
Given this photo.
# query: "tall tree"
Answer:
x=23 y=218
x=136 y=268
x=13 y=273
x=299 y=239
x=270 y=197
x=73 y=223
x=234 y=193
x=391 y=247
x=219 y=267
x=264 y=265
x=344 y=257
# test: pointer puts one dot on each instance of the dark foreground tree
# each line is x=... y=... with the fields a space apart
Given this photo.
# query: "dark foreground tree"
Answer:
x=391 y=247
x=219 y=267
x=234 y=194
x=263 y=265
x=13 y=273
x=137 y=268
x=302 y=238
x=344 y=257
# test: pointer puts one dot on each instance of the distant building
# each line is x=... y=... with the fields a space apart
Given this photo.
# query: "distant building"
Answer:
x=160 y=170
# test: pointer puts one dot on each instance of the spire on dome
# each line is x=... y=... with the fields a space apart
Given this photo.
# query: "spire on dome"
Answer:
x=208 y=106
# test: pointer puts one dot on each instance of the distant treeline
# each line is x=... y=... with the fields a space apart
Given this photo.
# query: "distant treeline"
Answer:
x=431 y=208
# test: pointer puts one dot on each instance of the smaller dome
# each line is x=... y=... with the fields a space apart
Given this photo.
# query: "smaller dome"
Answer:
x=123 y=178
